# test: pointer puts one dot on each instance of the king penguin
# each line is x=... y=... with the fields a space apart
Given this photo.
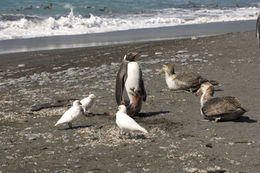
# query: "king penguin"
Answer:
x=130 y=89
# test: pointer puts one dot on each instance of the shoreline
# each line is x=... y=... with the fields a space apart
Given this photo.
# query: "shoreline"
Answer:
x=124 y=37
x=178 y=141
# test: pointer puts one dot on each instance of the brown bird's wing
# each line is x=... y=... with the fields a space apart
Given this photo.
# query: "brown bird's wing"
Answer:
x=189 y=80
x=221 y=105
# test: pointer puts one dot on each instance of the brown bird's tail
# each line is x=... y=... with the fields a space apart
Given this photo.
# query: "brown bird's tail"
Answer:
x=213 y=82
x=244 y=109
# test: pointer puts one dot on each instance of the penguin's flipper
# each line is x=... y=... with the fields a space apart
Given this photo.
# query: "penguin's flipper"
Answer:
x=120 y=83
x=142 y=89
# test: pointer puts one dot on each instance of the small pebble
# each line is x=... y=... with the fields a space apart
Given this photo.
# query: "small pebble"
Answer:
x=31 y=137
x=56 y=68
x=182 y=51
x=65 y=140
x=209 y=145
x=21 y=65
x=198 y=60
x=158 y=53
x=143 y=56
x=77 y=166
x=107 y=53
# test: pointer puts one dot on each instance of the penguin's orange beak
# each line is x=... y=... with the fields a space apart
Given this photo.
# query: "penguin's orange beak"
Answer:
x=160 y=72
x=135 y=54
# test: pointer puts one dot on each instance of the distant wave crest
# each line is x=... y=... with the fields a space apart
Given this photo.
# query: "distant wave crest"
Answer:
x=19 y=26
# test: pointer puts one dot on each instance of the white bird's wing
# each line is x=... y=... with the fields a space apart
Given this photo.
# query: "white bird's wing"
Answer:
x=69 y=115
x=126 y=122
x=86 y=103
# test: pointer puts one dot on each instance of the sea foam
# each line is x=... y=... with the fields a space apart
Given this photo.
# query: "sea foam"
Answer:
x=35 y=26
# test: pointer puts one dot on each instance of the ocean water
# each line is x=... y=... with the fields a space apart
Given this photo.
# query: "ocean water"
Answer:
x=21 y=19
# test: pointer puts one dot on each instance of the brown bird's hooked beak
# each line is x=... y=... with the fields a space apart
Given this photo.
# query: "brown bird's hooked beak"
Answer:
x=199 y=92
x=160 y=72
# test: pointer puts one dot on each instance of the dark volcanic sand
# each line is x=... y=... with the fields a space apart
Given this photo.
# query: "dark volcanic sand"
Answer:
x=178 y=141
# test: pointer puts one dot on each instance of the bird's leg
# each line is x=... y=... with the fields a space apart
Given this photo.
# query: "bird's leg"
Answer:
x=124 y=134
x=82 y=110
x=130 y=135
x=70 y=125
x=121 y=134
x=85 y=113
x=190 y=90
x=217 y=119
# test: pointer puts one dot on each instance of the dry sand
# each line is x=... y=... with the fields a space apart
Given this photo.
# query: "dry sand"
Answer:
x=178 y=141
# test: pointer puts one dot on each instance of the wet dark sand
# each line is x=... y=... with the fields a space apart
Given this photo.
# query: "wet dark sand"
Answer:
x=178 y=141
x=125 y=36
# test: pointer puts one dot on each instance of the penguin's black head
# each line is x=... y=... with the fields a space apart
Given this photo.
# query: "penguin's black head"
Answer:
x=130 y=56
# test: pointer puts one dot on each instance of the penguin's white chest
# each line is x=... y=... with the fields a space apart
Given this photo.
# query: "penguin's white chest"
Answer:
x=133 y=76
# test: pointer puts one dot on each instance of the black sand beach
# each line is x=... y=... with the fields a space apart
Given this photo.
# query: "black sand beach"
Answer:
x=178 y=141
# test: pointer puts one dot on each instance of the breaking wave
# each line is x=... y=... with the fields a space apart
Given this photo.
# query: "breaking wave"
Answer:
x=21 y=26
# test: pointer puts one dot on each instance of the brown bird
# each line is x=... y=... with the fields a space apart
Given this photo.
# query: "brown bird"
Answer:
x=187 y=81
x=218 y=108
